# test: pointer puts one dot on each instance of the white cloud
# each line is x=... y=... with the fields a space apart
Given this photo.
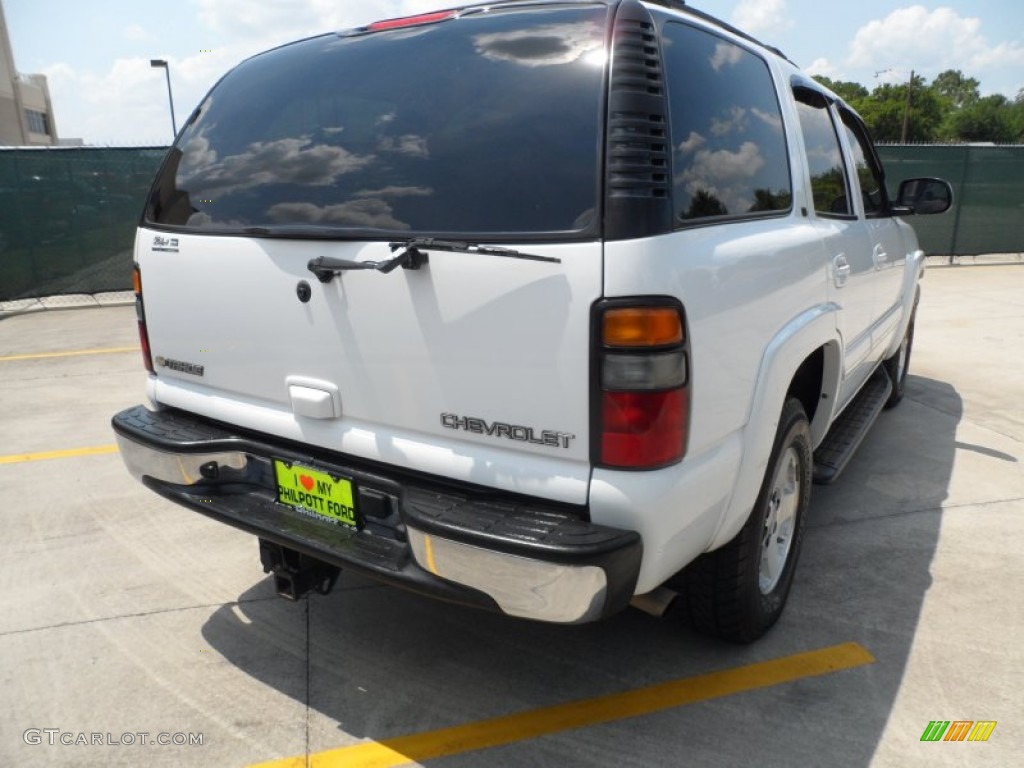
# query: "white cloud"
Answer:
x=823 y=67
x=286 y=20
x=930 y=41
x=761 y=17
x=126 y=104
x=136 y=33
x=693 y=142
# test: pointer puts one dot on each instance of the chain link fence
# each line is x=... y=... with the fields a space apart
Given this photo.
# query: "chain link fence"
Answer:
x=68 y=215
x=68 y=218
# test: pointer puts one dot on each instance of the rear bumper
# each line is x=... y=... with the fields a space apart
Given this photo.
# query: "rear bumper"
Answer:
x=522 y=556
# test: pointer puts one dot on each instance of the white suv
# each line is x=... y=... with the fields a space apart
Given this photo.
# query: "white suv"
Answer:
x=533 y=306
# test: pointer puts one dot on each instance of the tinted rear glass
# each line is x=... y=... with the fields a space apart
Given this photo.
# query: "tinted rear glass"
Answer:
x=730 y=157
x=486 y=124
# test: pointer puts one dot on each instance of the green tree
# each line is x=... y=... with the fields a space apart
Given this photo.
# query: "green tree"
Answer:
x=885 y=108
x=988 y=119
x=1017 y=118
x=848 y=91
x=959 y=90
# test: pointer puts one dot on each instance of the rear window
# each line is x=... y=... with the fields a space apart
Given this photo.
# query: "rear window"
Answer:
x=488 y=123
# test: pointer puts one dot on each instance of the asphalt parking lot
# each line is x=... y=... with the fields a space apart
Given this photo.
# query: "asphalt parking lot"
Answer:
x=122 y=614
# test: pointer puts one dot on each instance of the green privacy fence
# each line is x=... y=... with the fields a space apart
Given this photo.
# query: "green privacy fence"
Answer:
x=68 y=215
x=988 y=189
x=68 y=218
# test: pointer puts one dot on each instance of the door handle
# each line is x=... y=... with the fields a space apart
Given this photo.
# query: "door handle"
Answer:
x=880 y=257
x=840 y=270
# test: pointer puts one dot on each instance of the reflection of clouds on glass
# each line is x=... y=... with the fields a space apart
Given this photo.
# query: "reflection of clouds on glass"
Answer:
x=396 y=192
x=773 y=121
x=735 y=123
x=726 y=54
x=541 y=46
x=410 y=144
x=369 y=214
x=385 y=119
x=724 y=174
x=197 y=153
x=205 y=220
x=285 y=161
x=693 y=142
x=333 y=130
x=370 y=211
x=824 y=158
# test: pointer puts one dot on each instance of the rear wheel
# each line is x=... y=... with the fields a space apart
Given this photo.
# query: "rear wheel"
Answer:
x=738 y=592
x=897 y=366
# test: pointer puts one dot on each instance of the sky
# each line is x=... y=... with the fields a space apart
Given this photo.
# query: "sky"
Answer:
x=96 y=54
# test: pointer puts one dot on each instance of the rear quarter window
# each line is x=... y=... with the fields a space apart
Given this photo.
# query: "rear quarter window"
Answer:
x=729 y=157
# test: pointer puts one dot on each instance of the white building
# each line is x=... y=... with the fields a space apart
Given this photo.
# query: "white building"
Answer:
x=26 y=114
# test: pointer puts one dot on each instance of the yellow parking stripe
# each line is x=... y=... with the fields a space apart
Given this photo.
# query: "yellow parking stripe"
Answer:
x=578 y=714
x=96 y=450
x=70 y=353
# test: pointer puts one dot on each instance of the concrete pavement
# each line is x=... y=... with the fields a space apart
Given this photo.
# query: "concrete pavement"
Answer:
x=123 y=614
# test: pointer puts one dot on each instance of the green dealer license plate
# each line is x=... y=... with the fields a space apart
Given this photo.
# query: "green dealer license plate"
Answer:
x=316 y=493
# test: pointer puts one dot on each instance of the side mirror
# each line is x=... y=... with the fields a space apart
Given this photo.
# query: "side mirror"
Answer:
x=923 y=196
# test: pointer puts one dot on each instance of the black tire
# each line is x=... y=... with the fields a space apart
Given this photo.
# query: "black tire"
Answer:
x=897 y=366
x=735 y=593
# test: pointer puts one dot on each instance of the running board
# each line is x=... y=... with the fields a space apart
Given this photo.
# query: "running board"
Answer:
x=838 y=447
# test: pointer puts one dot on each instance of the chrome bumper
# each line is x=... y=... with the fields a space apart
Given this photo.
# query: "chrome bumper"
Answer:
x=530 y=560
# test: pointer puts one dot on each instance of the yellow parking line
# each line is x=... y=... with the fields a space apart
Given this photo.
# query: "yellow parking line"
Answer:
x=70 y=353
x=578 y=714
x=96 y=450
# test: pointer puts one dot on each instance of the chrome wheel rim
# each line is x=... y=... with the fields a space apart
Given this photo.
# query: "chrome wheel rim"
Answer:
x=779 y=521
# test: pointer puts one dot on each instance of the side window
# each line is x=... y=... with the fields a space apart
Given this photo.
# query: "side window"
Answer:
x=729 y=155
x=868 y=172
x=829 y=185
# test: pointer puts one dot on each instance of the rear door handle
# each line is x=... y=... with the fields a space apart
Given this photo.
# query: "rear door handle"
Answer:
x=840 y=270
x=880 y=257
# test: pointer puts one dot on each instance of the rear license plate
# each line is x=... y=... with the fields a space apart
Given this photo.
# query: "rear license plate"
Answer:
x=315 y=493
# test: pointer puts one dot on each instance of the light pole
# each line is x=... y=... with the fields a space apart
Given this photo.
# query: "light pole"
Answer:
x=160 y=63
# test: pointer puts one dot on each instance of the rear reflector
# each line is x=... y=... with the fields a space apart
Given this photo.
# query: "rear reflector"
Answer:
x=411 y=21
x=642 y=430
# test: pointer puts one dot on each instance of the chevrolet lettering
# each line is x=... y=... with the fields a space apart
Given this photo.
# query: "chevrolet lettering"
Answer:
x=510 y=431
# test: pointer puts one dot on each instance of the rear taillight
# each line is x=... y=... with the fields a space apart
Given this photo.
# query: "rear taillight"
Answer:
x=140 y=315
x=642 y=370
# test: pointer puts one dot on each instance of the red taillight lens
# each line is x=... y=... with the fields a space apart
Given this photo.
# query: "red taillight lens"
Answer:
x=644 y=376
x=140 y=315
x=643 y=429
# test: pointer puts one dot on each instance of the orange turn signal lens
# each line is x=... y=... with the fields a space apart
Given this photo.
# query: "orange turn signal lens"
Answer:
x=642 y=327
x=136 y=281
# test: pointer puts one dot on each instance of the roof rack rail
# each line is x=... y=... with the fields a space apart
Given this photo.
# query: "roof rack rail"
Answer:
x=682 y=5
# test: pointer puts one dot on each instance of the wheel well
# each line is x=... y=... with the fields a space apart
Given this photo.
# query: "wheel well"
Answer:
x=807 y=382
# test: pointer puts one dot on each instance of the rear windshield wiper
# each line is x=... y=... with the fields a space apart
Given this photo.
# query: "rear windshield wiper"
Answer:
x=413 y=256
